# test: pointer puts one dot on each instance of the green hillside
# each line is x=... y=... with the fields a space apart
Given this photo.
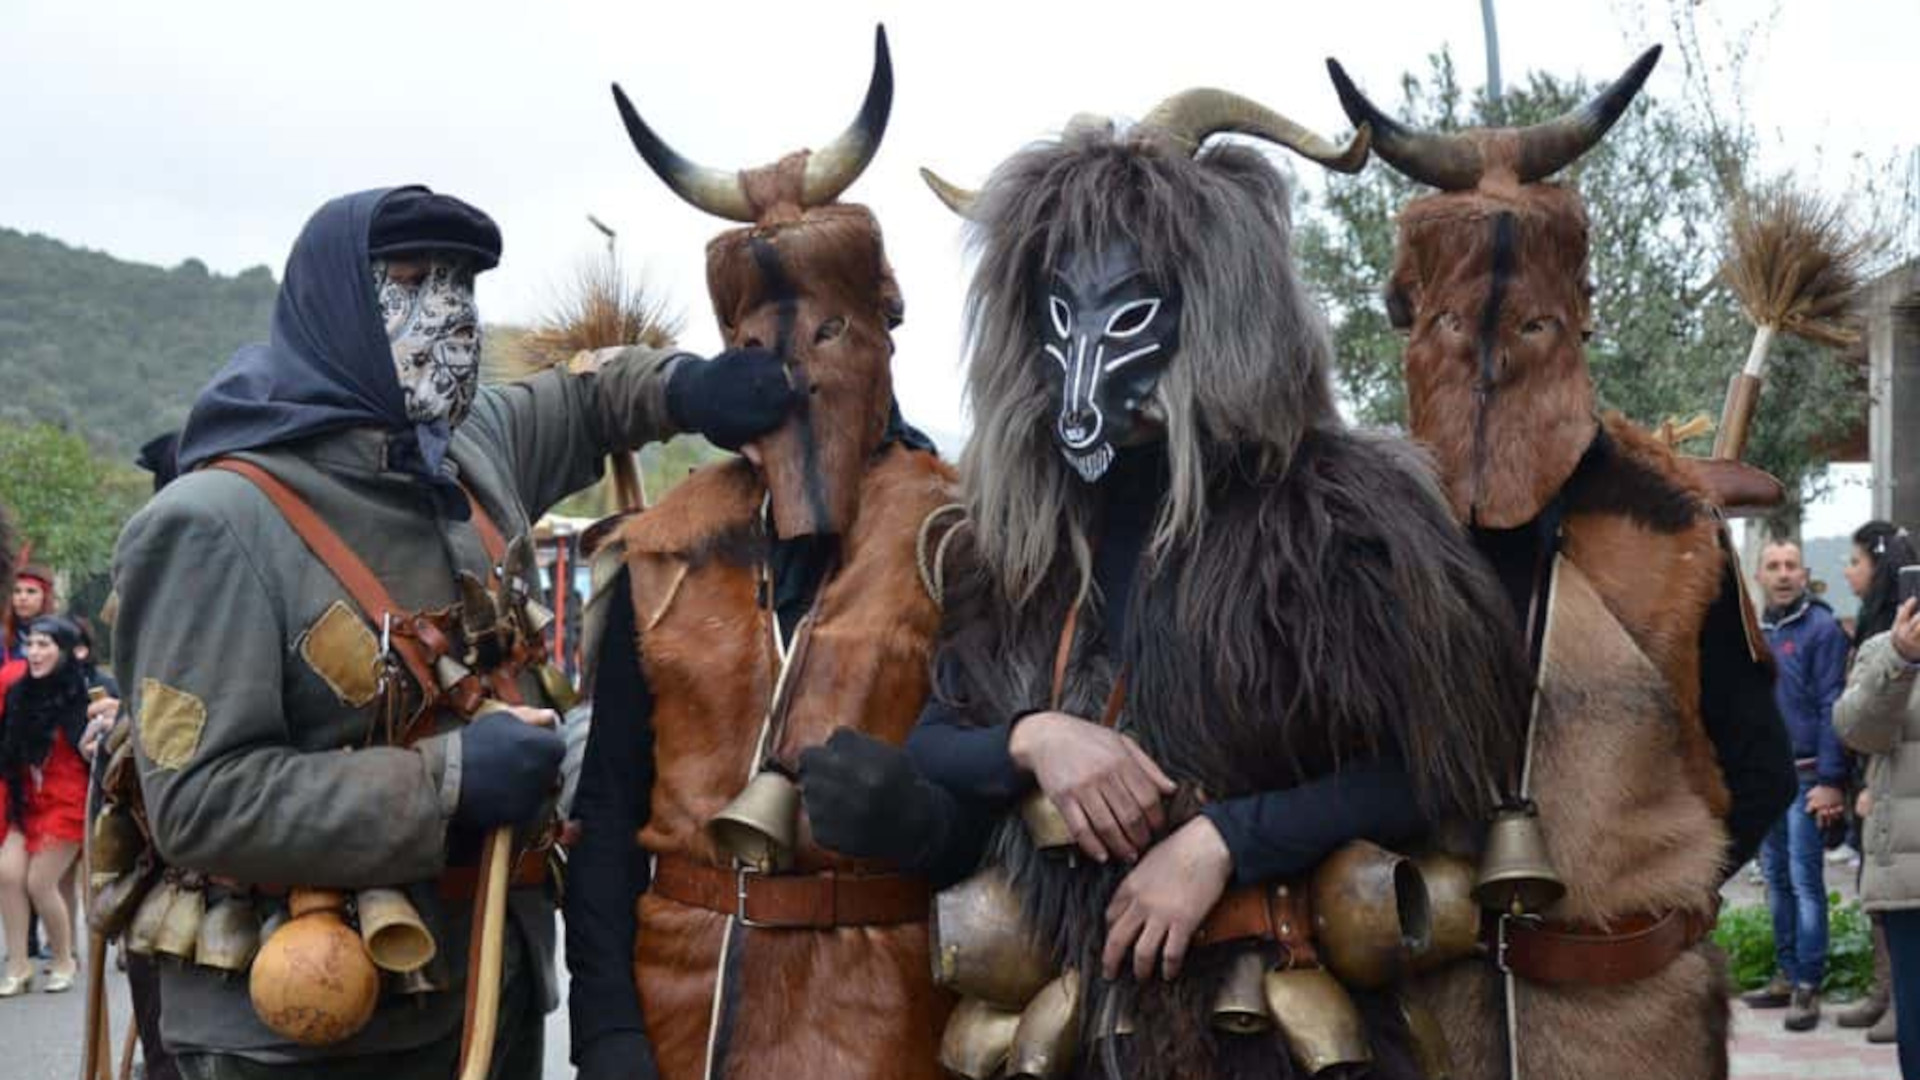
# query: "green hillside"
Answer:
x=115 y=350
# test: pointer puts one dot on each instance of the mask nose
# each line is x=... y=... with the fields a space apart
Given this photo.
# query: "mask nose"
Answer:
x=1078 y=426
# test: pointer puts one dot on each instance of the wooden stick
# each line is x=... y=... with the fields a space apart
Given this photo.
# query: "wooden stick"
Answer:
x=485 y=953
x=97 y=1043
x=126 y=1049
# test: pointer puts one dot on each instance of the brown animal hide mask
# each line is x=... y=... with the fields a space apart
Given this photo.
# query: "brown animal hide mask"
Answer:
x=807 y=278
x=1490 y=282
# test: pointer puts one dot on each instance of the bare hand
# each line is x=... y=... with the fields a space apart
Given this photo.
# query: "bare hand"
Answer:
x=527 y=714
x=1106 y=787
x=1906 y=632
x=1161 y=902
x=1826 y=803
x=97 y=729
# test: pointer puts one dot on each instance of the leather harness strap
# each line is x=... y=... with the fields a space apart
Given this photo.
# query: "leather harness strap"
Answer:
x=1630 y=949
x=1276 y=913
x=817 y=901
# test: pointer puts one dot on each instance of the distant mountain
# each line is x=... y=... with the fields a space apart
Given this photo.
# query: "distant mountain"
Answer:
x=115 y=350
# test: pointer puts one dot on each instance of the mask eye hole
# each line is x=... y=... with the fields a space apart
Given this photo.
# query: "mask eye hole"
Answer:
x=1062 y=316
x=1132 y=318
x=1536 y=327
x=829 y=330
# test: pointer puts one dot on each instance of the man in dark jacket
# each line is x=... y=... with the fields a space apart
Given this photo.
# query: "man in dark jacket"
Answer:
x=1810 y=651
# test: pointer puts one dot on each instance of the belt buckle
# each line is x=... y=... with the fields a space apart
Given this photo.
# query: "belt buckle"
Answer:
x=1501 y=942
x=741 y=875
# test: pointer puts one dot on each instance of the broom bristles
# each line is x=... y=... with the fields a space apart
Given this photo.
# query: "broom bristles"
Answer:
x=1795 y=262
x=599 y=308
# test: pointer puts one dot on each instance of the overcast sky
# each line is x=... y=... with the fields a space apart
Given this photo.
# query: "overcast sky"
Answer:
x=158 y=132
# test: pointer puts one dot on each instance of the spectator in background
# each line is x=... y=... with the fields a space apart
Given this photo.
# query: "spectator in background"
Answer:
x=1810 y=654
x=46 y=779
x=1880 y=715
x=32 y=598
x=1873 y=573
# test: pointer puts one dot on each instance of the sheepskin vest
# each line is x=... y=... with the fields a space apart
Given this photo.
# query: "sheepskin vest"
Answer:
x=851 y=1002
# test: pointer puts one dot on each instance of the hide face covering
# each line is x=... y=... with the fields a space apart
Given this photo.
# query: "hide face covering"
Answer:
x=808 y=278
x=1490 y=284
x=433 y=327
x=1108 y=333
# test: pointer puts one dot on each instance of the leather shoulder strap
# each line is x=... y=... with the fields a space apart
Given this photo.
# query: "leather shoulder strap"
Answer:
x=491 y=538
x=360 y=582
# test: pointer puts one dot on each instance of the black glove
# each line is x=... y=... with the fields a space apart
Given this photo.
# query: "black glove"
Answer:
x=866 y=799
x=732 y=399
x=507 y=769
x=618 y=1055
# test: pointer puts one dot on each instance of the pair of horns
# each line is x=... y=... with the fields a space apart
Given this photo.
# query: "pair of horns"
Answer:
x=1190 y=118
x=830 y=170
x=1456 y=162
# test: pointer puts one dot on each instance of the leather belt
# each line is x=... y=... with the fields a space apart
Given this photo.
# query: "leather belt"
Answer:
x=818 y=901
x=456 y=884
x=1629 y=949
x=1276 y=913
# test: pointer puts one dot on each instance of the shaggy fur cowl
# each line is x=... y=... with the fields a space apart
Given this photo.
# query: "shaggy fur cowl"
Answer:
x=1331 y=613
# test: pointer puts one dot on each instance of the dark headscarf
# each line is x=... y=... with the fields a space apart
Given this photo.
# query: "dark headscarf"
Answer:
x=36 y=708
x=327 y=364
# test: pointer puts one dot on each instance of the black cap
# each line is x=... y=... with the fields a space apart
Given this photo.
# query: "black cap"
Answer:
x=414 y=221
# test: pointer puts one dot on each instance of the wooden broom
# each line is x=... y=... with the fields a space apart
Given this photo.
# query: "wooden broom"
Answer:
x=1795 y=263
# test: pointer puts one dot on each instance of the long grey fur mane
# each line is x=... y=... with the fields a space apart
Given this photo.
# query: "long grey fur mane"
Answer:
x=1255 y=355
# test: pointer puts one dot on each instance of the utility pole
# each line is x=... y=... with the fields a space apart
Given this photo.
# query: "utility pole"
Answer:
x=1493 y=53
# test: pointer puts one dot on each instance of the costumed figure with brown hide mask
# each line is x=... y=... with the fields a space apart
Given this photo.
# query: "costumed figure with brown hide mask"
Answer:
x=1655 y=759
x=763 y=603
x=1208 y=654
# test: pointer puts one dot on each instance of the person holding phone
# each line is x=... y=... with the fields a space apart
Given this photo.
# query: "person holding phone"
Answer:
x=1879 y=714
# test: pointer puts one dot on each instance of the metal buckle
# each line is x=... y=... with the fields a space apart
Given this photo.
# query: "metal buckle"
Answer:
x=740 y=876
x=1501 y=943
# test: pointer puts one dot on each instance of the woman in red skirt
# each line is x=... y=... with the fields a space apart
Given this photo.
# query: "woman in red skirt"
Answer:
x=46 y=797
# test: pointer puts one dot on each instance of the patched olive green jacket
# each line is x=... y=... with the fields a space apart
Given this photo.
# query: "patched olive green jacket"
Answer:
x=253 y=741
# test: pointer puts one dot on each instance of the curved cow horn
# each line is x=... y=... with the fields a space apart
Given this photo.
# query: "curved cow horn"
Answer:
x=1190 y=116
x=716 y=191
x=833 y=168
x=958 y=199
x=829 y=170
x=1448 y=162
x=1547 y=148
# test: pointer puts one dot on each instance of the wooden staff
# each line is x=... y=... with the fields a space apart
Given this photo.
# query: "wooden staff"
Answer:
x=486 y=949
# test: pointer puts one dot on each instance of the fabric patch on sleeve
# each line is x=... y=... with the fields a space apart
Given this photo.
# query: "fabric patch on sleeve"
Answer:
x=341 y=649
x=171 y=722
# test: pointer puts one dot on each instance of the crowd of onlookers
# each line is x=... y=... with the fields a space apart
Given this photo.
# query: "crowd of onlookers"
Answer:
x=1853 y=713
x=54 y=706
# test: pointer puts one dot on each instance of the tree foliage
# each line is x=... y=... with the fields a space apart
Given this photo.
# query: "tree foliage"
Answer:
x=114 y=349
x=65 y=501
x=1668 y=333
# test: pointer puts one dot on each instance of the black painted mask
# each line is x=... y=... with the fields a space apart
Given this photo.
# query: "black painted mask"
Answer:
x=1107 y=333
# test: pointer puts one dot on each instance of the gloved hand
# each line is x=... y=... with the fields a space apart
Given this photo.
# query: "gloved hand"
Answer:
x=731 y=399
x=618 y=1055
x=507 y=768
x=865 y=798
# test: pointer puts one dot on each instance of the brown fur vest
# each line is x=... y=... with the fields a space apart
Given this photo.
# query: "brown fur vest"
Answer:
x=1630 y=794
x=853 y=1002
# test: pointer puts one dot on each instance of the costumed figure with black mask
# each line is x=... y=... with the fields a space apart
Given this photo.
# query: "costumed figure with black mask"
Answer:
x=337 y=666
x=45 y=787
x=1656 y=759
x=1207 y=654
x=763 y=603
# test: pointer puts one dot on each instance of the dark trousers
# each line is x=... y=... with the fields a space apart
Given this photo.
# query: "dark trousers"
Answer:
x=143 y=986
x=519 y=1053
x=1903 y=949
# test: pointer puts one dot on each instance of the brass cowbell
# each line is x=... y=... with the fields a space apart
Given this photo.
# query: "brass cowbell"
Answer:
x=759 y=826
x=1516 y=876
x=1240 y=1005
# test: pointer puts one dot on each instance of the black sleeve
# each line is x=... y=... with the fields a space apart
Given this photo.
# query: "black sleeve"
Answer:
x=1278 y=834
x=606 y=869
x=1749 y=737
x=971 y=762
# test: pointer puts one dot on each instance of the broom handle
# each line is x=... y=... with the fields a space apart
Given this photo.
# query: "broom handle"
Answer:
x=484 y=957
x=1743 y=397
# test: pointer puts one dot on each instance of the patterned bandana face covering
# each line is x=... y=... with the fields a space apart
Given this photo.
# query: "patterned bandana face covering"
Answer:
x=433 y=326
x=1107 y=336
